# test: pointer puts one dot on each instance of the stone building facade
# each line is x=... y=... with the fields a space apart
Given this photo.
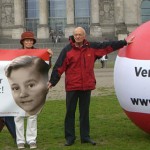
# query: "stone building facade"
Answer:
x=107 y=17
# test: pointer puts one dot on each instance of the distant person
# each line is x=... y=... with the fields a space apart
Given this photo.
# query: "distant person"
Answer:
x=77 y=61
x=27 y=41
x=51 y=34
x=103 y=61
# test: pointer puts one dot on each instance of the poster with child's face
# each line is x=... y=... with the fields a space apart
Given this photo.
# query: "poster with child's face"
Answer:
x=23 y=82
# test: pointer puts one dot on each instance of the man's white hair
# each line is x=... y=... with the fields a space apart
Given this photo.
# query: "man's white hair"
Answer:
x=79 y=28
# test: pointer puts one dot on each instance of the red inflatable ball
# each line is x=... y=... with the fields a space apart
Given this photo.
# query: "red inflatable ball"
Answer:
x=132 y=77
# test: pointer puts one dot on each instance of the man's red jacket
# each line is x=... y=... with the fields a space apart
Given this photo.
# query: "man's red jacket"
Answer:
x=78 y=63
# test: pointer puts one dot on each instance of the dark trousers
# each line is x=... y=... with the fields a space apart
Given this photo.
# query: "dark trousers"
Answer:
x=103 y=63
x=1 y=124
x=72 y=98
x=10 y=124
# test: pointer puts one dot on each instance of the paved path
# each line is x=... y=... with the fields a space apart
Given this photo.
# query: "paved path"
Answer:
x=104 y=85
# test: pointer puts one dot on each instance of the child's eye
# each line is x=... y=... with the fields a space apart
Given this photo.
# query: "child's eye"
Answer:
x=31 y=85
x=15 y=88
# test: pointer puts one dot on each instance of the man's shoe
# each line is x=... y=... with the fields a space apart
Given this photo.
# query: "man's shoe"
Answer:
x=69 y=143
x=88 y=141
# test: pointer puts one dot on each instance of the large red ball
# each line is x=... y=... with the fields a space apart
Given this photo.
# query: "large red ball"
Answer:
x=132 y=77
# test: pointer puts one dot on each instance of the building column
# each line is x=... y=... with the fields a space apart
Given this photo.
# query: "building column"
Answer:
x=131 y=14
x=18 y=19
x=70 y=18
x=43 y=29
x=139 y=11
x=120 y=27
x=95 y=29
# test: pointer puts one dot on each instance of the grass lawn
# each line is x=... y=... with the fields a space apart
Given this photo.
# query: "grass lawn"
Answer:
x=110 y=128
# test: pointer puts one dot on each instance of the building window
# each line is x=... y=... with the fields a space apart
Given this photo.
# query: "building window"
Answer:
x=145 y=10
x=82 y=14
x=31 y=15
x=57 y=15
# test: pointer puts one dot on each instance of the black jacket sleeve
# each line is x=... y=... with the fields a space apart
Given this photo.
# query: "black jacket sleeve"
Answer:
x=55 y=76
x=114 y=44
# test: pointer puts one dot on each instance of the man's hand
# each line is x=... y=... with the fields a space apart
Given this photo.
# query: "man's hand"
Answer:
x=130 y=40
x=49 y=85
x=50 y=52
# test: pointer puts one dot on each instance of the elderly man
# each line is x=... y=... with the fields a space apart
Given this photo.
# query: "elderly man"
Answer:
x=77 y=61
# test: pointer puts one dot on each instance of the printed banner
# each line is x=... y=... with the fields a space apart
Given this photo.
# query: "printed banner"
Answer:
x=131 y=80
x=8 y=106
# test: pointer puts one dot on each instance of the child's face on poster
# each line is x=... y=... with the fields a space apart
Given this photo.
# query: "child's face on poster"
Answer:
x=29 y=89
